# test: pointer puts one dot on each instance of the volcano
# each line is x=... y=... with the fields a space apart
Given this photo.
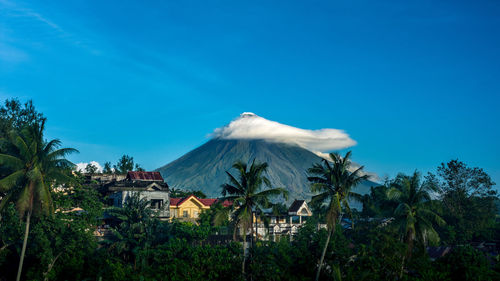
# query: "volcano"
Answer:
x=204 y=168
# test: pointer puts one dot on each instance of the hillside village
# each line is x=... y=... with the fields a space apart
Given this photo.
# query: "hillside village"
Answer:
x=151 y=187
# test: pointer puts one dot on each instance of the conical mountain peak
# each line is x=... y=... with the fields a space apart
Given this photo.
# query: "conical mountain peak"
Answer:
x=288 y=151
x=205 y=167
x=248 y=115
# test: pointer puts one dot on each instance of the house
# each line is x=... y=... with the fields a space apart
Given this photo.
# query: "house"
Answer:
x=149 y=185
x=103 y=178
x=189 y=208
x=287 y=223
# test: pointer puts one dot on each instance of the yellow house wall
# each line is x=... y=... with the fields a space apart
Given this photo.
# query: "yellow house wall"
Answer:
x=191 y=206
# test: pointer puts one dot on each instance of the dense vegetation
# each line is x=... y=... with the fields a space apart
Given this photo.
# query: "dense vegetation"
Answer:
x=389 y=239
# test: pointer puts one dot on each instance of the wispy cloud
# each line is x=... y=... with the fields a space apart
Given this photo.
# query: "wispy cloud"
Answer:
x=16 y=15
x=14 y=10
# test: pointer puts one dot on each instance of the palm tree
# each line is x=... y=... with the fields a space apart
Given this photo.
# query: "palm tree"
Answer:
x=412 y=215
x=334 y=181
x=35 y=165
x=136 y=229
x=247 y=197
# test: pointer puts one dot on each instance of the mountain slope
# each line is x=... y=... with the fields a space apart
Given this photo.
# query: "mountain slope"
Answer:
x=204 y=168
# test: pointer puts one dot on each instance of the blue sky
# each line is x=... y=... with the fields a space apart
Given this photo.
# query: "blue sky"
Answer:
x=414 y=83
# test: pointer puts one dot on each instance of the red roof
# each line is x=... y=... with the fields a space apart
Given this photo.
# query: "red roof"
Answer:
x=175 y=201
x=227 y=203
x=207 y=201
x=144 y=176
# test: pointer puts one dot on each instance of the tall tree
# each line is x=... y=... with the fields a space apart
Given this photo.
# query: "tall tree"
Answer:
x=107 y=168
x=35 y=165
x=468 y=199
x=13 y=115
x=138 y=168
x=413 y=217
x=334 y=181
x=247 y=197
x=124 y=164
x=91 y=169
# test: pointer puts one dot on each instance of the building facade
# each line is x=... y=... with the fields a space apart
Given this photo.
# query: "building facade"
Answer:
x=149 y=185
x=286 y=223
x=189 y=208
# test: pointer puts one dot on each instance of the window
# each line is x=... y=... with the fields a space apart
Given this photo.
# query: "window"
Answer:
x=156 y=203
x=185 y=214
x=195 y=214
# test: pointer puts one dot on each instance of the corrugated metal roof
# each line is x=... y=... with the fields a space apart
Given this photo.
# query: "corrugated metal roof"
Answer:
x=144 y=176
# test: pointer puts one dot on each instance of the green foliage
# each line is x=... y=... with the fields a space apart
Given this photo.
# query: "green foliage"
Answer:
x=379 y=253
x=124 y=164
x=80 y=196
x=414 y=219
x=216 y=217
x=456 y=178
x=296 y=259
x=246 y=194
x=376 y=204
x=59 y=246
x=107 y=168
x=139 y=168
x=33 y=165
x=468 y=202
x=466 y=263
x=11 y=229
x=188 y=231
x=14 y=116
x=136 y=228
x=180 y=260
x=91 y=169
x=247 y=197
x=333 y=181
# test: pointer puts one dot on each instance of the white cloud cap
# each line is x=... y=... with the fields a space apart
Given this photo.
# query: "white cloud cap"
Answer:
x=80 y=167
x=252 y=126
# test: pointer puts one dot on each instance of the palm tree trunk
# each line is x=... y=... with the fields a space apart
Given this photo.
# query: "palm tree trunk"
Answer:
x=252 y=233
x=25 y=241
x=324 y=252
x=235 y=229
x=409 y=249
x=244 y=252
x=402 y=267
